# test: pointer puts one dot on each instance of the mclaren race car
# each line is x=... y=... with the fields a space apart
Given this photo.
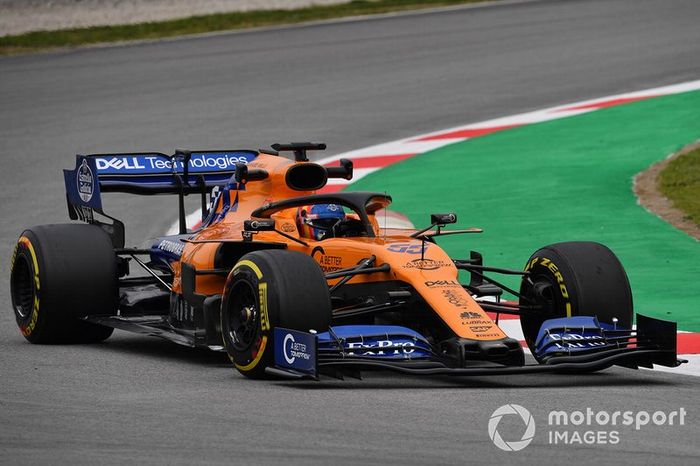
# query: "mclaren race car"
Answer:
x=291 y=282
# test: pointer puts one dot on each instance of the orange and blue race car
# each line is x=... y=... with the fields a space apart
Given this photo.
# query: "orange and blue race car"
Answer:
x=293 y=283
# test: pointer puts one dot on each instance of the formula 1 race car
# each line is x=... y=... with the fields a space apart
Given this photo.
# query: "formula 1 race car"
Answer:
x=293 y=283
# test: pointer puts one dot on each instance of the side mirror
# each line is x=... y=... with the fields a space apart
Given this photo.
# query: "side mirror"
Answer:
x=259 y=225
x=343 y=171
x=243 y=174
x=443 y=219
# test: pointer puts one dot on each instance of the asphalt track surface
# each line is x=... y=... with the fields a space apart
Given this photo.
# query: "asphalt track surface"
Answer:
x=136 y=399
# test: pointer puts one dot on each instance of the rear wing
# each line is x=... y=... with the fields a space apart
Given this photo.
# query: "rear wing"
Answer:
x=147 y=173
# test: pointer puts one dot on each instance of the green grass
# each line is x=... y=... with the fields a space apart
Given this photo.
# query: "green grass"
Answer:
x=679 y=181
x=41 y=40
x=563 y=180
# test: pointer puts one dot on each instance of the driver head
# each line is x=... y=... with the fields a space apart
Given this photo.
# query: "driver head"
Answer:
x=313 y=221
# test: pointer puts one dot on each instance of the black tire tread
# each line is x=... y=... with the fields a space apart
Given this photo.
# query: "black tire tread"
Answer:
x=77 y=269
x=298 y=298
x=595 y=279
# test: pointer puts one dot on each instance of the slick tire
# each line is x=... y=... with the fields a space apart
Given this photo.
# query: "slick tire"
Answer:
x=575 y=279
x=59 y=274
x=268 y=289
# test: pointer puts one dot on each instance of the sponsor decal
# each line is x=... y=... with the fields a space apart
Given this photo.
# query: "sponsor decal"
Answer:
x=426 y=264
x=327 y=263
x=295 y=350
x=200 y=162
x=86 y=181
x=409 y=248
x=264 y=318
x=456 y=299
x=442 y=284
x=480 y=328
x=288 y=228
x=171 y=247
x=121 y=163
x=471 y=315
x=576 y=340
x=375 y=349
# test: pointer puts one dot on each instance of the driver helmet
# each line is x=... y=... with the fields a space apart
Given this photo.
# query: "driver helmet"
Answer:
x=324 y=216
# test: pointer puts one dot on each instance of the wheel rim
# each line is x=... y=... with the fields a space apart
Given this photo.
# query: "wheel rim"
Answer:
x=243 y=316
x=540 y=292
x=22 y=284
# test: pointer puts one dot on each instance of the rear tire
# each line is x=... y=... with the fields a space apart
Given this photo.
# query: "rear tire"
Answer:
x=59 y=274
x=575 y=279
x=268 y=289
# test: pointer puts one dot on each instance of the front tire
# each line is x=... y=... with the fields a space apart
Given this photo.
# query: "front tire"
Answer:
x=268 y=289
x=59 y=274
x=575 y=279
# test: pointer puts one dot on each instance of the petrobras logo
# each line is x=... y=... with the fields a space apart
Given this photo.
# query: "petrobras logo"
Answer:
x=171 y=247
x=142 y=164
x=85 y=180
x=293 y=350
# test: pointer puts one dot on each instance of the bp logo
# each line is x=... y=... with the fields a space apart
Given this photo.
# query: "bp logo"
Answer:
x=86 y=182
x=525 y=417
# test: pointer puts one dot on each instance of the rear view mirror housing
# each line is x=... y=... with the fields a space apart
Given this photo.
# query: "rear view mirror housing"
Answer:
x=259 y=225
x=443 y=219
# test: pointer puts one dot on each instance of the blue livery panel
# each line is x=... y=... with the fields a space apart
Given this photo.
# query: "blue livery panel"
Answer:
x=296 y=351
x=167 y=249
x=576 y=335
x=563 y=345
x=82 y=184
x=150 y=173
x=375 y=341
x=155 y=171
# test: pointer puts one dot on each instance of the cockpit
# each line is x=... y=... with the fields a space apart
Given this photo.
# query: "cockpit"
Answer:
x=340 y=215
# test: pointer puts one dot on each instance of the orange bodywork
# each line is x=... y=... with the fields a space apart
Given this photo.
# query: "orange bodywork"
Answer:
x=430 y=272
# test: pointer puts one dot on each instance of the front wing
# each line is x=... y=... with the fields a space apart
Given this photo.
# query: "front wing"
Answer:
x=577 y=344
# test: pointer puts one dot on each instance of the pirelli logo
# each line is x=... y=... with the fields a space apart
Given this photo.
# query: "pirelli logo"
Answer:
x=264 y=318
x=543 y=261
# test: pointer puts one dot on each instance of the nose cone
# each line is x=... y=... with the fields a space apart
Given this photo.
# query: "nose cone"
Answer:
x=463 y=352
